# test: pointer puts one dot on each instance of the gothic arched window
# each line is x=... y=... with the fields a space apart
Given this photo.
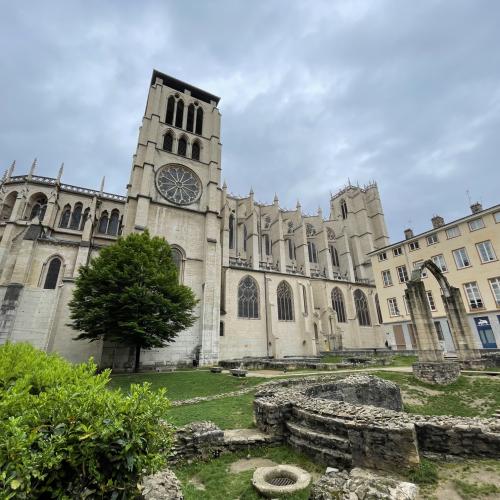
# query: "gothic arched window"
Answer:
x=178 y=258
x=195 y=153
x=8 y=205
x=285 y=302
x=179 y=115
x=168 y=141
x=379 y=311
x=199 y=121
x=182 y=146
x=114 y=222
x=231 y=231
x=86 y=215
x=65 y=216
x=76 y=216
x=343 y=209
x=190 y=118
x=362 y=311
x=291 y=249
x=245 y=236
x=103 y=223
x=169 y=117
x=267 y=244
x=338 y=305
x=335 y=256
x=38 y=207
x=248 y=298
x=52 y=276
x=313 y=254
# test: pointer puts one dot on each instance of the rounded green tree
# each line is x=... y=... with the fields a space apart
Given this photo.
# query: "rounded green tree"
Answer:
x=130 y=294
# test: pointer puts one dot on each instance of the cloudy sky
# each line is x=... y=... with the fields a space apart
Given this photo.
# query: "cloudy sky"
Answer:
x=313 y=93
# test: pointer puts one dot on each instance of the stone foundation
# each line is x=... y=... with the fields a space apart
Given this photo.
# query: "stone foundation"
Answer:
x=441 y=373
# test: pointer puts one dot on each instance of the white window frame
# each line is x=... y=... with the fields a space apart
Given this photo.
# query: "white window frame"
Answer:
x=387 y=274
x=489 y=251
x=496 y=216
x=402 y=275
x=461 y=258
x=495 y=289
x=473 y=295
x=432 y=239
x=414 y=245
x=472 y=225
x=442 y=266
x=407 y=307
x=453 y=232
x=382 y=256
x=392 y=304
x=430 y=300
x=397 y=251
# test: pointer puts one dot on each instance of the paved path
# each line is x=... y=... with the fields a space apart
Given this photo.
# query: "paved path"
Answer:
x=280 y=373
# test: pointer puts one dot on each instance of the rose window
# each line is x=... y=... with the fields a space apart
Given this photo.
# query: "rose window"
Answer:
x=178 y=184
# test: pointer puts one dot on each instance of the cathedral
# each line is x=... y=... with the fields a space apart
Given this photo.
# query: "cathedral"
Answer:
x=271 y=282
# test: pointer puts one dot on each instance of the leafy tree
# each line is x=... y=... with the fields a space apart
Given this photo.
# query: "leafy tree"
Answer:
x=130 y=294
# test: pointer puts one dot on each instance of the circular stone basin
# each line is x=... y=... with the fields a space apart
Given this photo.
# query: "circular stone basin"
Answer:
x=280 y=480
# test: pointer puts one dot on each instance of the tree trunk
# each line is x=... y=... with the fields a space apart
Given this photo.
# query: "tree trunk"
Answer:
x=137 y=357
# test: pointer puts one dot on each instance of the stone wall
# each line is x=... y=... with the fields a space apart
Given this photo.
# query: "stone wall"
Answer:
x=340 y=433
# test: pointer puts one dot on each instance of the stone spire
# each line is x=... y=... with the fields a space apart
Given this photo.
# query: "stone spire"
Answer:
x=276 y=201
x=299 y=206
x=59 y=175
x=32 y=169
x=11 y=170
x=101 y=190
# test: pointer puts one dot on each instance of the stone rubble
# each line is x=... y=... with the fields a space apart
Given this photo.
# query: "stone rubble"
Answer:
x=163 y=485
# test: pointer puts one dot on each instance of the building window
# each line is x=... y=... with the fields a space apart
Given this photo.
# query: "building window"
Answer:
x=52 y=276
x=476 y=224
x=304 y=298
x=195 y=153
x=313 y=254
x=379 y=311
x=362 y=311
x=430 y=300
x=179 y=114
x=486 y=252
x=285 y=302
x=432 y=239
x=402 y=274
x=114 y=223
x=38 y=209
x=406 y=304
x=169 y=117
x=199 y=121
x=245 y=237
x=267 y=244
x=397 y=251
x=231 y=231
x=461 y=258
x=8 y=205
x=496 y=215
x=178 y=259
x=414 y=246
x=452 y=232
x=190 y=118
x=417 y=264
x=439 y=330
x=392 y=304
x=182 y=147
x=387 y=278
x=495 y=288
x=473 y=295
x=291 y=250
x=343 y=209
x=335 y=256
x=221 y=329
x=338 y=305
x=168 y=141
x=103 y=223
x=86 y=215
x=248 y=298
x=76 y=216
x=440 y=262
x=66 y=214
x=382 y=256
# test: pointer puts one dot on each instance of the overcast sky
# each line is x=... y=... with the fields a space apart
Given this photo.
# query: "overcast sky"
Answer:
x=406 y=93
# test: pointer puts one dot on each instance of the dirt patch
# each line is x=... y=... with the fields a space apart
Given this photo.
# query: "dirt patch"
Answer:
x=245 y=464
x=196 y=482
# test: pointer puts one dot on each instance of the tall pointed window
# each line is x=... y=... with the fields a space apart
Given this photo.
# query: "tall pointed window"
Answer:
x=86 y=215
x=178 y=258
x=313 y=254
x=168 y=141
x=169 y=117
x=190 y=118
x=338 y=305
x=379 y=311
x=199 y=121
x=52 y=276
x=182 y=146
x=267 y=244
x=285 y=302
x=195 y=153
x=248 y=298
x=38 y=208
x=65 y=216
x=8 y=205
x=103 y=223
x=245 y=236
x=114 y=222
x=362 y=311
x=291 y=249
x=231 y=231
x=76 y=216
x=343 y=209
x=335 y=256
x=179 y=114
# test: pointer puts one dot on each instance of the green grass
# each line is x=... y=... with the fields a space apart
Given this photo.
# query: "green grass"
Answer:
x=467 y=397
x=221 y=484
x=425 y=473
x=186 y=384
x=228 y=413
x=475 y=490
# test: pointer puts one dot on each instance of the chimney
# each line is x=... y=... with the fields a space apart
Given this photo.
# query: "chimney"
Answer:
x=408 y=233
x=437 y=221
x=476 y=207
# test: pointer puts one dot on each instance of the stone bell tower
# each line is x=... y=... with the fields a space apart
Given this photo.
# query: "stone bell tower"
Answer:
x=174 y=192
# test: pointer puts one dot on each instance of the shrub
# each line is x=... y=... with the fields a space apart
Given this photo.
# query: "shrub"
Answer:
x=63 y=434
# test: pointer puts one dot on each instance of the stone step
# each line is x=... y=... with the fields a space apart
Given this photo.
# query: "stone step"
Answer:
x=327 y=456
x=331 y=441
x=323 y=424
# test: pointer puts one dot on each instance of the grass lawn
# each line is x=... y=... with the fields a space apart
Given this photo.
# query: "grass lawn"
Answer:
x=397 y=360
x=214 y=480
x=186 y=384
x=467 y=397
x=228 y=413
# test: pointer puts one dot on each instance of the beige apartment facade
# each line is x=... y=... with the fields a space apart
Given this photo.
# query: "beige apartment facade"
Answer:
x=270 y=281
x=467 y=252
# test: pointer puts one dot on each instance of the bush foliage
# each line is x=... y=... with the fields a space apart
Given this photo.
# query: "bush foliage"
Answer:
x=63 y=434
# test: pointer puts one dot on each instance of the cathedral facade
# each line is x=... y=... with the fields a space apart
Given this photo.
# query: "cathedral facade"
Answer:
x=270 y=281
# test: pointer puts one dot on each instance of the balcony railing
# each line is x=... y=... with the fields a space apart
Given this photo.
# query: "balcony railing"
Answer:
x=239 y=262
